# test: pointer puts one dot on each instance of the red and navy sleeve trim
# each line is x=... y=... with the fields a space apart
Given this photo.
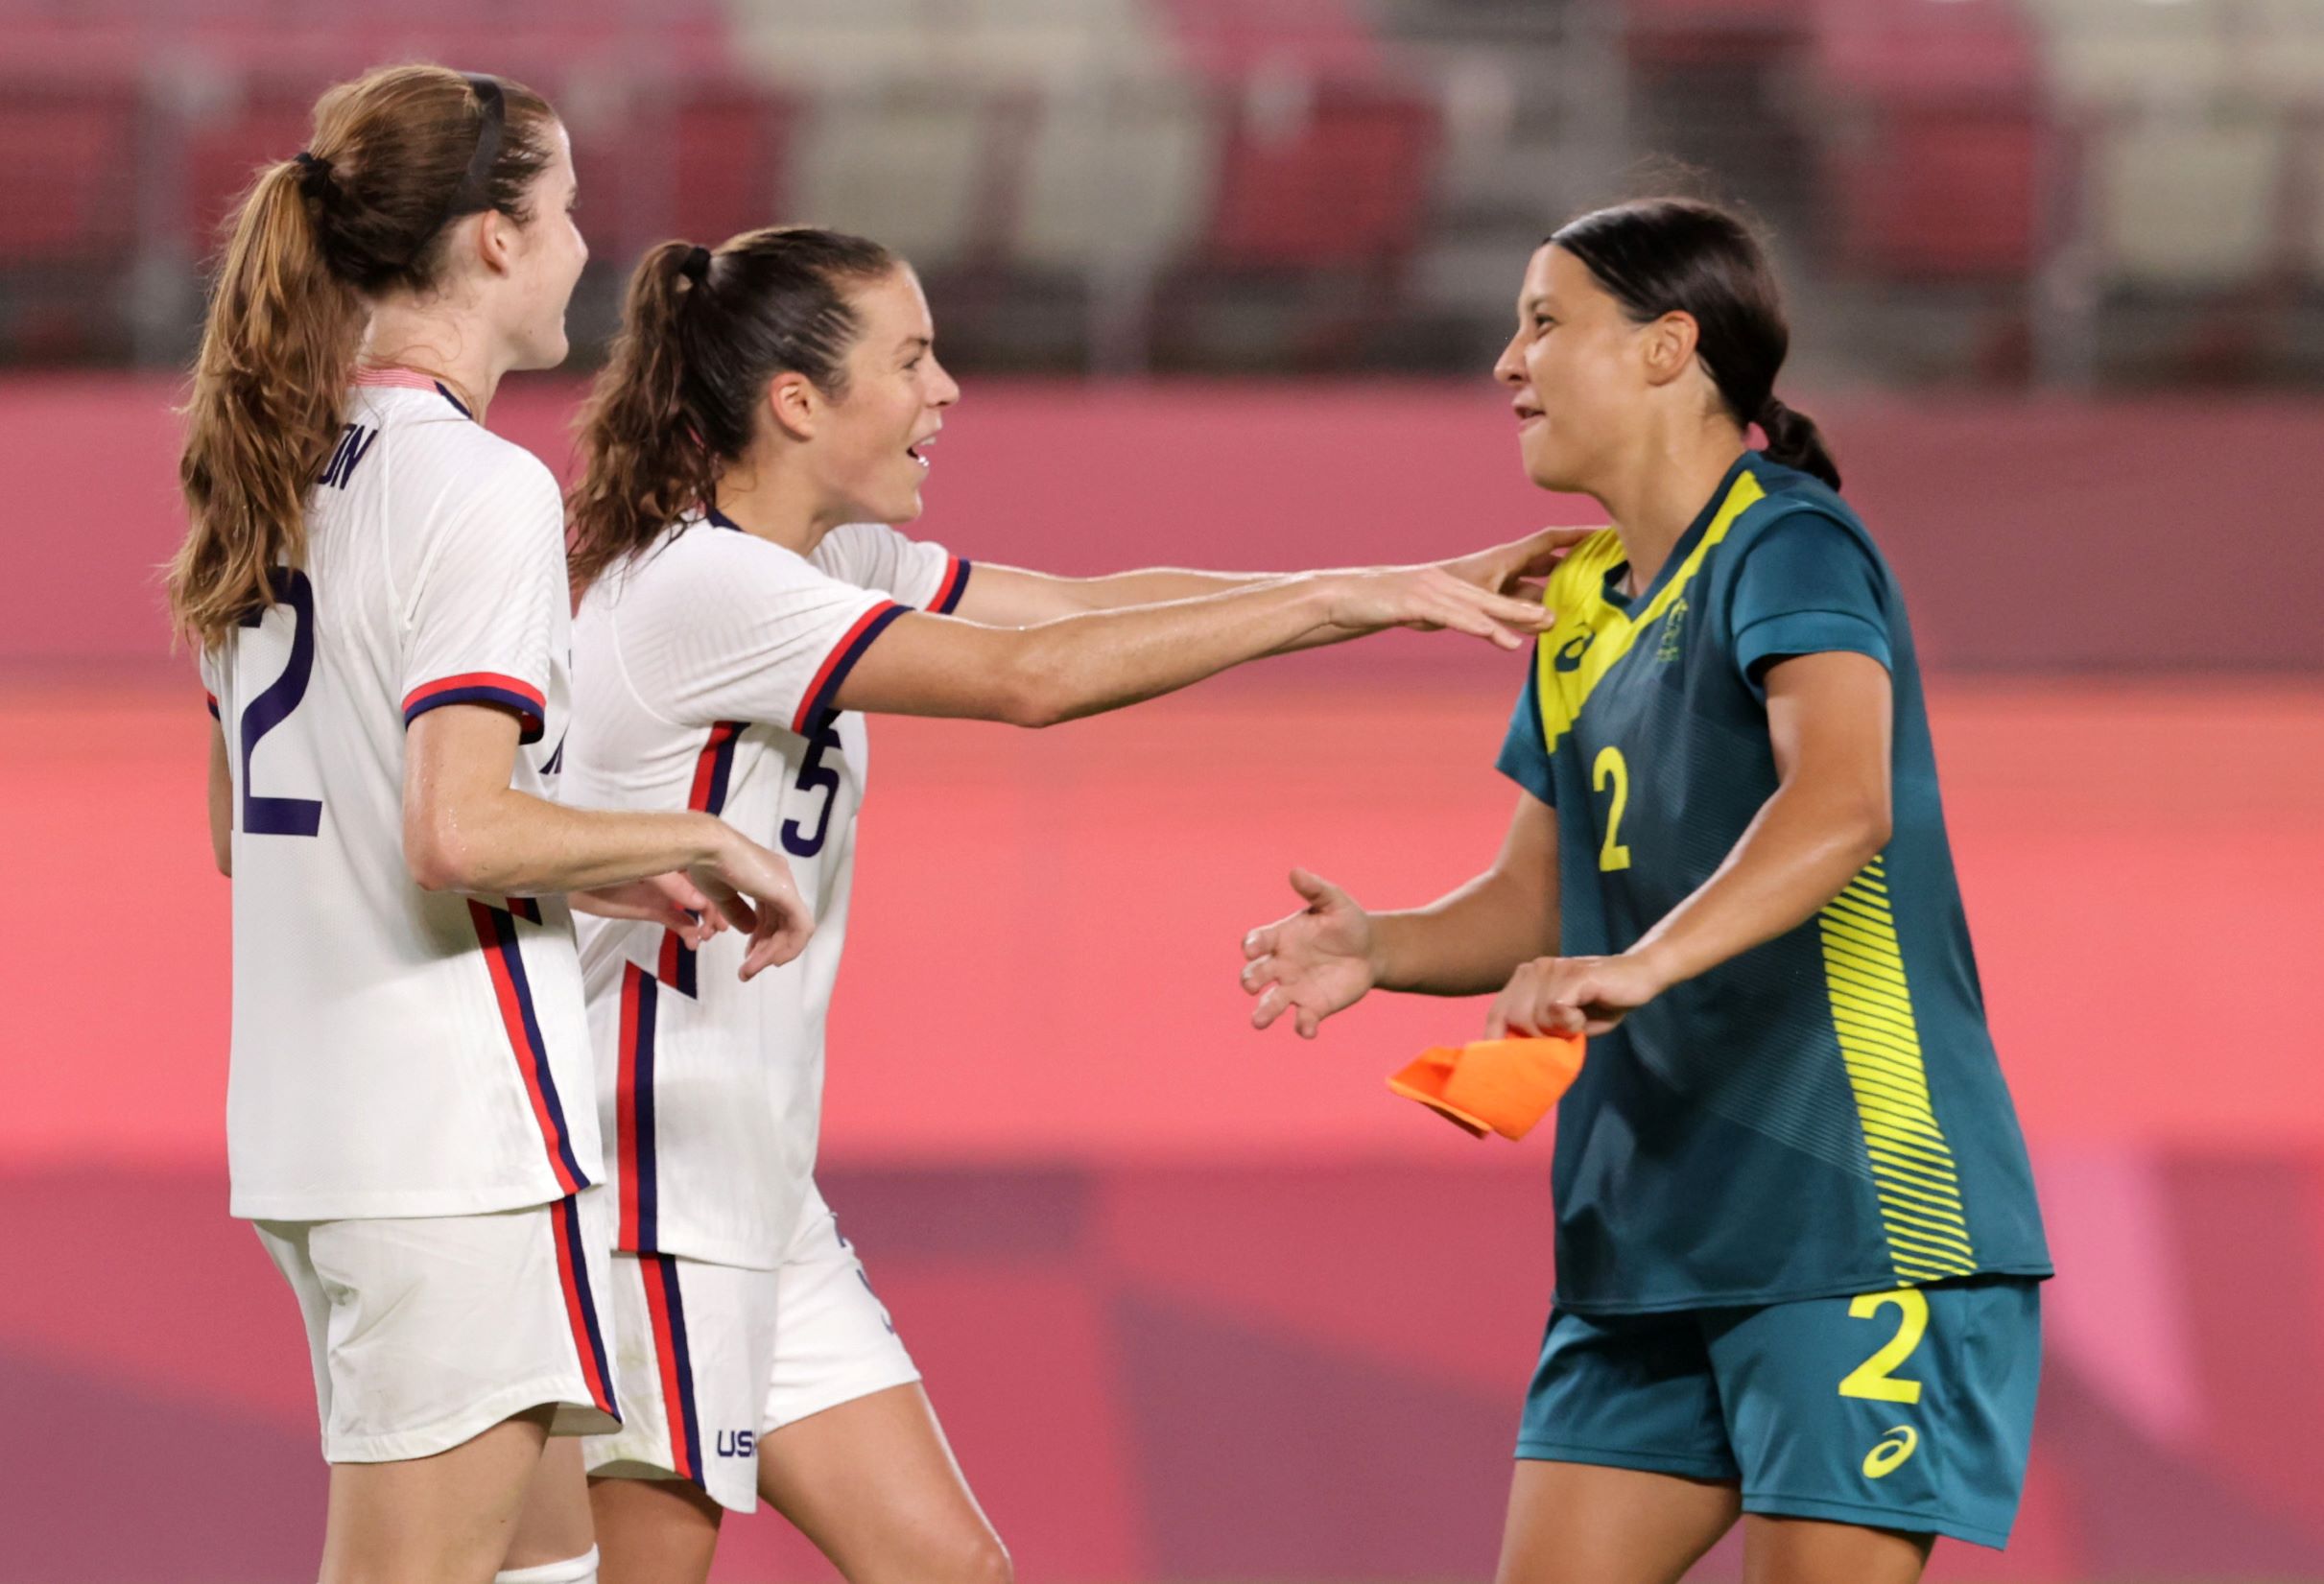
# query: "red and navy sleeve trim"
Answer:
x=210 y=699
x=840 y=661
x=955 y=584
x=480 y=687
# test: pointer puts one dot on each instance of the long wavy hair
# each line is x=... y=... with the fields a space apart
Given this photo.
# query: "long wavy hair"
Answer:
x=363 y=210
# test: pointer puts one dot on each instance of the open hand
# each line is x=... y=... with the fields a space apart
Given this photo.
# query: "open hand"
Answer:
x=1430 y=599
x=1311 y=964
x=1516 y=568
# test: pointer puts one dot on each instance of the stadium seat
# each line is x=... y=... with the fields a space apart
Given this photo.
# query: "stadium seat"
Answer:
x=904 y=166
x=1341 y=178
x=2187 y=200
x=1121 y=180
x=68 y=185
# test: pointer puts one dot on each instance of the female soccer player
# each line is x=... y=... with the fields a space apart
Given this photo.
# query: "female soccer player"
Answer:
x=766 y=415
x=1797 y=1246
x=377 y=585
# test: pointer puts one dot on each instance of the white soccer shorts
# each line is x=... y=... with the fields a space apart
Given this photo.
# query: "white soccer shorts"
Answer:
x=427 y=1331
x=712 y=1357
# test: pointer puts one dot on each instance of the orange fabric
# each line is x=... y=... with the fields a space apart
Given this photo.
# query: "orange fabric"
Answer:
x=1501 y=1086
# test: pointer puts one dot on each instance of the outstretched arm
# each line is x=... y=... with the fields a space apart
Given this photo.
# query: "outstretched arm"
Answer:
x=1101 y=660
x=1327 y=957
x=1006 y=596
x=1829 y=717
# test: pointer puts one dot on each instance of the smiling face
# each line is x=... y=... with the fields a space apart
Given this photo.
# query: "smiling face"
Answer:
x=1577 y=370
x=871 y=442
x=544 y=258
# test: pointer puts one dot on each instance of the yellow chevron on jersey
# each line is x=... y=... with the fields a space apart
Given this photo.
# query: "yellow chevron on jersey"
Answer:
x=1595 y=633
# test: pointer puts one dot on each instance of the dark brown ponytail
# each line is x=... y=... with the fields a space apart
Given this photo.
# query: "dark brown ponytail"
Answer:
x=1665 y=255
x=702 y=335
x=395 y=159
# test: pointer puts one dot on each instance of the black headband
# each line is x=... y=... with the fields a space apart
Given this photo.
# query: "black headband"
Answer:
x=475 y=190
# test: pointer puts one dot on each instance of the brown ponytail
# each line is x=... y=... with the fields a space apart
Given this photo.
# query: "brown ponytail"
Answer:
x=362 y=211
x=702 y=335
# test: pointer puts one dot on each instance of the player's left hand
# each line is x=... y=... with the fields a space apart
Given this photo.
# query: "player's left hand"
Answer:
x=1572 y=995
x=1515 y=568
x=670 y=900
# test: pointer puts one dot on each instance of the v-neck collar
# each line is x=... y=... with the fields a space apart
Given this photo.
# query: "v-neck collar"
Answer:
x=1610 y=590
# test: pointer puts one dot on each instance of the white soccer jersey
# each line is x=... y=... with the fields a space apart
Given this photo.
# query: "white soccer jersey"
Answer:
x=398 y=1052
x=704 y=671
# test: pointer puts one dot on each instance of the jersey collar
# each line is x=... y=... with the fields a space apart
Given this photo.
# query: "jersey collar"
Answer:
x=1611 y=590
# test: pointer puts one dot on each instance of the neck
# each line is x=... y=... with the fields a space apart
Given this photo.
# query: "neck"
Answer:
x=777 y=505
x=1656 y=490
x=449 y=347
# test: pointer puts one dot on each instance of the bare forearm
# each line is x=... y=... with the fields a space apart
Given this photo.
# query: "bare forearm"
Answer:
x=1159 y=585
x=1467 y=942
x=1804 y=847
x=510 y=843
x=1083 y=665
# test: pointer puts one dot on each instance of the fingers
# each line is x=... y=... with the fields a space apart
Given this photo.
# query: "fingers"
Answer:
x=1544 y=550
x=784 y=929
x=1272 y=1005
x=1260 y=942
x=1316 y=890
x=729 y=903
x=1258 y=974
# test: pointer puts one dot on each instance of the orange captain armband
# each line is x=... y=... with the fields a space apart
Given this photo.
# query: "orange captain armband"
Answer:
x=1501 y=1086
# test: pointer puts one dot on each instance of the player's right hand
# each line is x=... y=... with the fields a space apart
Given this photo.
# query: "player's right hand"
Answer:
x=752 y=890
x=1314 y=964
x=1430 y=599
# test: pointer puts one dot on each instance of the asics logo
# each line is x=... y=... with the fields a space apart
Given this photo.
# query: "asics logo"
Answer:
x=1569 y=654
x=1900 y=1443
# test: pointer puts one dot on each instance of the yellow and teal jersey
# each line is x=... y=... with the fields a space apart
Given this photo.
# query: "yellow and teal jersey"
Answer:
x=1821 y=1114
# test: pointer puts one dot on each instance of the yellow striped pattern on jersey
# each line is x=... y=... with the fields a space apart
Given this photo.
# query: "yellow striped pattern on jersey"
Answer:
x=1920 y=1198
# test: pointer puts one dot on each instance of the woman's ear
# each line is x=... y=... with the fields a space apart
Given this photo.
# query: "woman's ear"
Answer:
x=1668 y=346
x=795 y=405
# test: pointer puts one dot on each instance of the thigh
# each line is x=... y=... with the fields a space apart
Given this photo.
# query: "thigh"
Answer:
x=443 y=1519
x=1809 y=1551
x=1590 y=1523
x=694 y=1344
x=441 y=1327
x=1908 y=1409
x=553 y=1525
x=654 y=1532
x=873 y=1484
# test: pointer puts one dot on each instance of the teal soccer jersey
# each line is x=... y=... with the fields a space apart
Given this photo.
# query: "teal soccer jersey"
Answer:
x=1822 y=1114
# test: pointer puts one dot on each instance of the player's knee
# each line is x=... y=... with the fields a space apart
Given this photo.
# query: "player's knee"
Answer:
x=976 y=1559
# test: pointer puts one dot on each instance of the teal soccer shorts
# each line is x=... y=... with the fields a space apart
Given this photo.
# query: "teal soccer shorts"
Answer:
x=1905 y=1408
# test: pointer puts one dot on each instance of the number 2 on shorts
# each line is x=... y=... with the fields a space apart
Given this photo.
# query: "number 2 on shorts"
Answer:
x=1872 y=1378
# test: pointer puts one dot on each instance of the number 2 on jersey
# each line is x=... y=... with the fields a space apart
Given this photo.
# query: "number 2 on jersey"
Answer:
x=1611 y=766
x=281 y=815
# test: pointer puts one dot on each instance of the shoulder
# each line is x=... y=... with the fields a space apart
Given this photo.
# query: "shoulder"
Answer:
x=1796 y=504
x=705 y=568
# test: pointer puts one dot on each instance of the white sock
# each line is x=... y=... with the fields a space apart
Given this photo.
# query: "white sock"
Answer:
x=574 y=1569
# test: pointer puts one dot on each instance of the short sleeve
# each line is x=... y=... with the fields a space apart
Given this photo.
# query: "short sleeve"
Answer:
x=925 y=575
x=1808 y=585
x=1523 y=757
x=484 y=611
x=751 y=633
x=206 y=663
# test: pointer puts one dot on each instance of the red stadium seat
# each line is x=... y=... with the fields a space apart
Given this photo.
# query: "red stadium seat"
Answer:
x=1342 y=181
x=68 y=185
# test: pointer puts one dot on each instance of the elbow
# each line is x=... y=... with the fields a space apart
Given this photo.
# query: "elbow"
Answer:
x=1030 y=694
x=437 y=857
x=1870 y=830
